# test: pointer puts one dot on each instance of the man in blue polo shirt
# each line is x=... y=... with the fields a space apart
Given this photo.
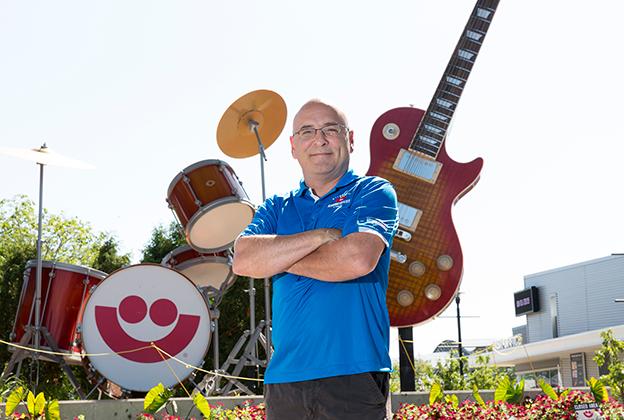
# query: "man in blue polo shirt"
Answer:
x=327 y=247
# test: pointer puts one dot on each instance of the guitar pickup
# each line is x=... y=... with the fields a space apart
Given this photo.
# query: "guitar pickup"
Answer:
x=409 y=216
x=401 y=234
x=417 y=166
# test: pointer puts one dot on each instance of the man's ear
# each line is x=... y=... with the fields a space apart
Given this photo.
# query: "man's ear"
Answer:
x=292 y=148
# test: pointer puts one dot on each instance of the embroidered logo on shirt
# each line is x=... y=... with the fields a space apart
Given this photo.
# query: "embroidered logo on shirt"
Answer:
x=340 y=200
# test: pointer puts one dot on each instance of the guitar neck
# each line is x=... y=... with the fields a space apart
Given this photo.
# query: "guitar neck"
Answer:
x=436 y=122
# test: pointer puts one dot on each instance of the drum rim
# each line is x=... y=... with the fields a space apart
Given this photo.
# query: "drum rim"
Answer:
x=184 y=248
x=75 y=268
x=83 y=350
x=192 y=167
x=207 y=208
x=194 y=261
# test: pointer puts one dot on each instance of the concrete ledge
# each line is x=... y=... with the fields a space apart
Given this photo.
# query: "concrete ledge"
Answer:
x=130 y=408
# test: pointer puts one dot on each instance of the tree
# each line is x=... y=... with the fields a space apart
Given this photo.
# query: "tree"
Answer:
x=446 y=373
x=107 y=259
x=610 y=353
x=163 y=241
x=67 y=240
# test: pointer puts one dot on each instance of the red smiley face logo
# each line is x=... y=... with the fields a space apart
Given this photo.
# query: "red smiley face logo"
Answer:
x=132 y=310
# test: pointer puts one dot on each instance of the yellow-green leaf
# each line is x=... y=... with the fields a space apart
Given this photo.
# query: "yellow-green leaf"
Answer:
x=52 y=411
x=477 y=396
x=202 y=405
x=548 y=390
x=501 y=390
x=598 y=390
x=435 y=393
x=152 y=395
x=14 y=399
x=35 y=405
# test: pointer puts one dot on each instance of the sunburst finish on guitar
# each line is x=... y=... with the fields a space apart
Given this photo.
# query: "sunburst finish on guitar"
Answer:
x=407 y=149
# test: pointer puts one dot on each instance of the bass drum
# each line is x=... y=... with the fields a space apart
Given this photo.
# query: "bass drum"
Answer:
x=143 y=325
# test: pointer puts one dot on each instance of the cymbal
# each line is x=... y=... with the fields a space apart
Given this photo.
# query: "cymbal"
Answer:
x=45 y=156
x=265 y=107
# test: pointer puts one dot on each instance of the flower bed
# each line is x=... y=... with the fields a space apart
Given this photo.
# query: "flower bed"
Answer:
x=542 y=408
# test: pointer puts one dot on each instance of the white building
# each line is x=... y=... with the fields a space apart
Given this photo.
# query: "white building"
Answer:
x=564 y=317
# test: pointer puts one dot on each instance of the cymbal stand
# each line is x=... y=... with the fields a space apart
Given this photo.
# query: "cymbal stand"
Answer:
x=37 y=330
x=253 y=126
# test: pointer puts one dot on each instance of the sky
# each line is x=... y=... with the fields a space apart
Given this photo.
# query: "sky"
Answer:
x=138 y=89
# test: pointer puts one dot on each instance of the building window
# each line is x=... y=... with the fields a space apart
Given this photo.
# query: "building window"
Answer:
x=551 y=376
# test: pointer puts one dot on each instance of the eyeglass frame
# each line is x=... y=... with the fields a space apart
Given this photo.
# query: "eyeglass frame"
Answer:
x=322 y=128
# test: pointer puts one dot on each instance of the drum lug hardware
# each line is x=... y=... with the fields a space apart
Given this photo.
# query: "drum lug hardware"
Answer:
x=93 y=289
x=79 y=328
x=86 y=281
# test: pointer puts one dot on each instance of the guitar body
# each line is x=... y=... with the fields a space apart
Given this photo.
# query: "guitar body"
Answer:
x=435 y=234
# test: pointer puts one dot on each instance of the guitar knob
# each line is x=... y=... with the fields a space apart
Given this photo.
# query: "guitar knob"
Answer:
x=433 y=292
x=445 y=263
x=405 y=298
x=391 y=131
x=417 y=269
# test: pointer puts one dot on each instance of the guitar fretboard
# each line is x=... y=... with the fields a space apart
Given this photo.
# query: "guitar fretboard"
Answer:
x=435 y=124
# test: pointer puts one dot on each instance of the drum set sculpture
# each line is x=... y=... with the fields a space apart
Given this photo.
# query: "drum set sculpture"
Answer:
x=146 y=324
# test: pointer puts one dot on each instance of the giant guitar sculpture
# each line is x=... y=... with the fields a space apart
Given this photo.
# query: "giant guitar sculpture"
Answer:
x=407 y=148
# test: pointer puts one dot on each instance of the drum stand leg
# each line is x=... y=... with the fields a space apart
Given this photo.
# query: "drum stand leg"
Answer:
x=21 y=353
x=210 y=382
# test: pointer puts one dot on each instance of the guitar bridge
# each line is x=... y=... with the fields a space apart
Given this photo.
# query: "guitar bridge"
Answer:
x=415 y=165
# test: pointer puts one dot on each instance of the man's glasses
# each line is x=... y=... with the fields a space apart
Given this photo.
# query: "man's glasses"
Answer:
x=331 y=130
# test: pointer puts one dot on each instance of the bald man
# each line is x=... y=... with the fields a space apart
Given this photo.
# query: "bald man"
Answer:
x=327 y=246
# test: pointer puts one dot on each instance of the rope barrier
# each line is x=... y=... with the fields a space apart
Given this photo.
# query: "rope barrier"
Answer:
x=159 y=350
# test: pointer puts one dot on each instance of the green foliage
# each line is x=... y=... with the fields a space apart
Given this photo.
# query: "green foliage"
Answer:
x=548 y=390
x=155 y=399
x=14 y=399
x=542 y=408
x=598 y=390
x=37 y=407
x=452 y=400
x=66 y=240
x=436 y=394
x=202 y=405
x=477 y=396
x=610 y=353
x=108 y=259
x=446 y=372
x=163 y=241
x=508 y=391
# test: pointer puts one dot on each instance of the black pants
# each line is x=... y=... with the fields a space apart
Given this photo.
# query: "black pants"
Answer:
x=365 y=396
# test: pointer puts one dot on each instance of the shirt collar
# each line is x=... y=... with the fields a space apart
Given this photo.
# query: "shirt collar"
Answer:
x=346 y=179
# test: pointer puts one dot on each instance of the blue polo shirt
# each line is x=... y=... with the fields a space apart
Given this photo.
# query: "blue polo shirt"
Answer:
x=323 y=329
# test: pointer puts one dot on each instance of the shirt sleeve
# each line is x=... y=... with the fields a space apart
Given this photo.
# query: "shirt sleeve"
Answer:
x=374 y=211
x=265 y=219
